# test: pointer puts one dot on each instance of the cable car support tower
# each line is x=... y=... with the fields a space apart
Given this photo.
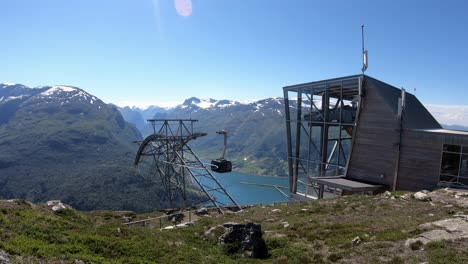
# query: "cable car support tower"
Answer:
x=173 y=163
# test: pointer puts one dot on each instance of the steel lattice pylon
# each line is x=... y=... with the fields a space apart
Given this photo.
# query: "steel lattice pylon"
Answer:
x=175 y=164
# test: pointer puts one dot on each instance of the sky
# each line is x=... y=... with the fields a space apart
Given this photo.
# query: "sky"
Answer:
x=164 y=51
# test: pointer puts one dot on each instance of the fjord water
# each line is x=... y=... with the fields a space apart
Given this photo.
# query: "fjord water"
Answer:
x=246 y=194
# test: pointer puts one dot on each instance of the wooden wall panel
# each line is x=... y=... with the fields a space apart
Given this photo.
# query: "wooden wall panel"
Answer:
x=420 y=160
x=374 y=151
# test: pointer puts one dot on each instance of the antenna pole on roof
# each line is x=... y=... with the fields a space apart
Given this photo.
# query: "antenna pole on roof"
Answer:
x=364 y=52
x=362 y=35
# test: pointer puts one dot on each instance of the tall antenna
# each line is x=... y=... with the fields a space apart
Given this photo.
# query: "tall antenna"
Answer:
x=364 y=52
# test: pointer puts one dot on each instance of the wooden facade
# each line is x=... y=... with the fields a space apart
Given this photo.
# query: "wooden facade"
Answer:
x=375 y=148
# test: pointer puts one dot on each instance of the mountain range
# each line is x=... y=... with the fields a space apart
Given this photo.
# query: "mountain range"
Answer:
x=60 y=142
x=256 y=134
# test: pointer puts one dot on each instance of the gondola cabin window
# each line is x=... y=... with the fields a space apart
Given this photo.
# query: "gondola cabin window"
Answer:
x=454 y=164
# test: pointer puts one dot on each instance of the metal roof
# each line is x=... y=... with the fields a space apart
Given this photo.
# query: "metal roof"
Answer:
x=444 y=131
x=416 y=116
x=347 y=86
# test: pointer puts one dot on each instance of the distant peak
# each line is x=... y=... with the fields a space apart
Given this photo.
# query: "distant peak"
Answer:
x=192 y=100
x=58 y=89
x=65 y=92
x=8 y=84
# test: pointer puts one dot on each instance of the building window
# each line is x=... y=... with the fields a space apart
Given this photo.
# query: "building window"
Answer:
x=454 y=165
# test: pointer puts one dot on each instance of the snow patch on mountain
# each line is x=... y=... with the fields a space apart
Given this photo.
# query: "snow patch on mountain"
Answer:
x=7 y=84
x=10 y=98
x=67 y=92
x=58 y=89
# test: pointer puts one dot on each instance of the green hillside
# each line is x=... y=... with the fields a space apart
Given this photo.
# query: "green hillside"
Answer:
x=66 y=144
x=313 y=232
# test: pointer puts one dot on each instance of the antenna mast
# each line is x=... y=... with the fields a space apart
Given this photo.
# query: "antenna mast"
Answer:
x=364 y=52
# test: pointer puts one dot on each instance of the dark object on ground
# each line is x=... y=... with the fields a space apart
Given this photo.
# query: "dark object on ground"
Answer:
x=244 y=238
x=176 y=217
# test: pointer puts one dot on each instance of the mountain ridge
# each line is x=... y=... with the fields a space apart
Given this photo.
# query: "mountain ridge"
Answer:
x=60 y=142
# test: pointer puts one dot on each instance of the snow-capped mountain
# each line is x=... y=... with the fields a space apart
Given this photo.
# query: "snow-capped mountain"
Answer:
x=194 y=104
x=255 y=129
x=59 y=93
x=60 y=142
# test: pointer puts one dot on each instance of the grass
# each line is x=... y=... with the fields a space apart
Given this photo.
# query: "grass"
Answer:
x=318 y=232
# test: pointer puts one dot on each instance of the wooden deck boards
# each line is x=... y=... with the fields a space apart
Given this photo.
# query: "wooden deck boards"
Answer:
x=344 y=184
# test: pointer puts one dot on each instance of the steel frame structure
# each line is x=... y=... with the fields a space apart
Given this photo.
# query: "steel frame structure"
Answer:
x=318 y=138
x=174 y=164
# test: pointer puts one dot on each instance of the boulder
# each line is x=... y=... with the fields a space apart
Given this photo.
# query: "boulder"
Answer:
x=387 y=194
x=356 y=241
x=433 y=235
x=202 y=211
x=244 y=238
x=406 y=196
x=57 y=205
x=447 y=229
x=421 y=196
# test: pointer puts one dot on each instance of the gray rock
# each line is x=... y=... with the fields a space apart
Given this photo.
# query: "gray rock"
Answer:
x=426 y=237
x=447 y=229
x=57 y=205
x=214 y=232
x=356 y=241
x=4 y=257
x=202 y=211
x=246 y=239
x=127 y=218
x=188 y=224
x=421 y=196
x=276 y=210
x=406 y=196
x=387 y=194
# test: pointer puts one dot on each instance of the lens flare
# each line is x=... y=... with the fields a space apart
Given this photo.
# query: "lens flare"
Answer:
x=184 y=7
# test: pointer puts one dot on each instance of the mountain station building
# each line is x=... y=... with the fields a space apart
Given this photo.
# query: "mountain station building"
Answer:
x=359 y=134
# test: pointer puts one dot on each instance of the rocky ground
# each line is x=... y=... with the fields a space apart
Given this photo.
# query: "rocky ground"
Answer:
x=422 y=227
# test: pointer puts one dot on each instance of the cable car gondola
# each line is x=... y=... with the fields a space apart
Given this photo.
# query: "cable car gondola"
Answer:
x=222 y=165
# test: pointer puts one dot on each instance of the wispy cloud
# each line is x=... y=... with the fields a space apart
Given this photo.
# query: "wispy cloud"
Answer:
x=450 y=114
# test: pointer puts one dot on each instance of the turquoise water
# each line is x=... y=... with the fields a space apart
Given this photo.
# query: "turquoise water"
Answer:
x=245 y=194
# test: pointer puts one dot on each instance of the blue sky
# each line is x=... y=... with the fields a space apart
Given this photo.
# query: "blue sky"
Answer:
x=145 y=51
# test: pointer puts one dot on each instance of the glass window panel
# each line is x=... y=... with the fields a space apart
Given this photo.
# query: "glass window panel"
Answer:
x=446 y=178
x=450 y=164
x=464 y=166
x=465 y=149
x=452 y=148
